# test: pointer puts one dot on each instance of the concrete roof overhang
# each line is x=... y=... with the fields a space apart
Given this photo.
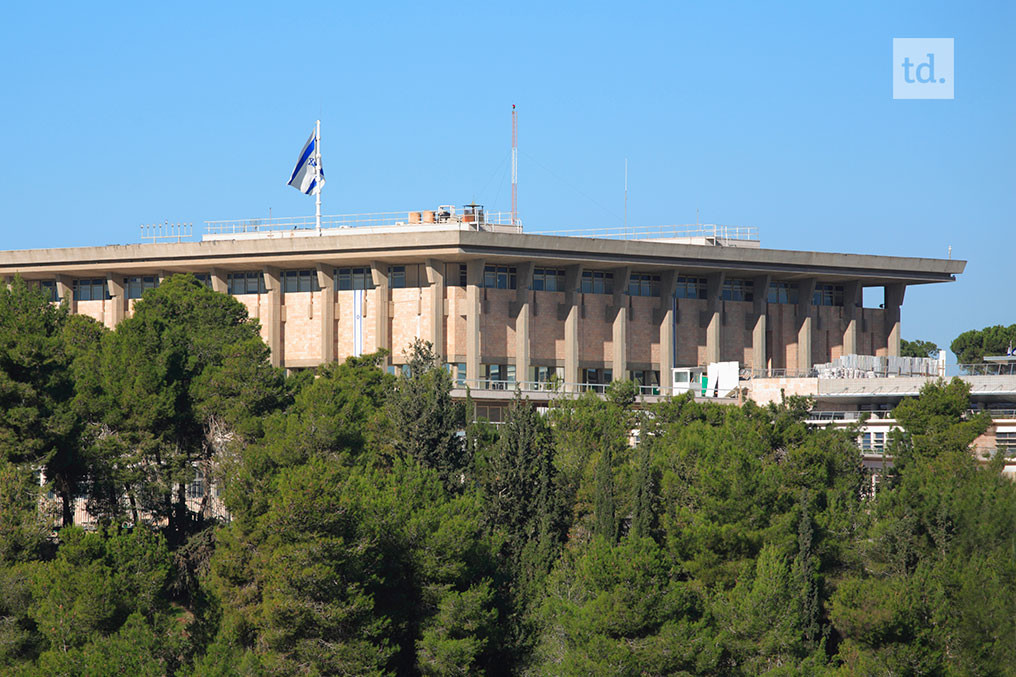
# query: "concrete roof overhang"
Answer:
x=451 y=245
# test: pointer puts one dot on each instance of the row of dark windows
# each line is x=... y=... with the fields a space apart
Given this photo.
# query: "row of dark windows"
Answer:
x=494 y=277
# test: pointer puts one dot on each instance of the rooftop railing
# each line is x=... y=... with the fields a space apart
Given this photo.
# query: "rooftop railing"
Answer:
x=951 y=370
x=887 y=415
x=482 y=220
x=713 y=233
x=983 y=369
x=553 y=387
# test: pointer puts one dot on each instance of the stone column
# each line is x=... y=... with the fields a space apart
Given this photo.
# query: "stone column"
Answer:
x=618 y=313
x=760 y=306
x=379 y=273
x=326 y=281
x=118 y=304
x=664 y=316
x=851 y=313
x=520 y=309
x=435 y=332
x=474 y=290
x=273 y=284
x=65 y=290
x=219 y=283
x=893 y=300
x=569 y=312
x=714 y=304
x=805 y=304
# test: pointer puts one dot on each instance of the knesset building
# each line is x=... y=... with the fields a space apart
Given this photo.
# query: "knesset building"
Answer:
x=503 y=306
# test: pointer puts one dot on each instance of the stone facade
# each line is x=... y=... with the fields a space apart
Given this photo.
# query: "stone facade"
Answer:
x=441 y=295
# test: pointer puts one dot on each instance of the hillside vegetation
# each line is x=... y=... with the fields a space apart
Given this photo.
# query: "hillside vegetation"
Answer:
x=374 y=529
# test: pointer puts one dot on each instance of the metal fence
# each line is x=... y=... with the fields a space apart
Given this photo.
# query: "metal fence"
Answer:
x=484 y=220
x=713 y=233
x=551 y=387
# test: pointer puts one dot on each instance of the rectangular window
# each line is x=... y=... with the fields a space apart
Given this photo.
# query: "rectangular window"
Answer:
x=90 y=290
x=458 y=373
x=250 y=282
x=396 y=277
x=738 y=290
x=597 y=282
x=782 y=292
x=204 y=278
x=353 y=278
x=828 y=295
x=547 y=374
x=499 y=277
x=644 y=284
x=597 y=379
x=690 y=287
x=499 y=375
x=873 y=441
x=135 y=287
x=49 y=290
x=1006 y=442
x=299 y=281
x=548 y=279
x=455 y=274
x=196 y=487
x=645 y=377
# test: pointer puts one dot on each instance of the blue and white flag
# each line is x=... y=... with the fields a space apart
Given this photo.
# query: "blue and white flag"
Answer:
x=309 y=174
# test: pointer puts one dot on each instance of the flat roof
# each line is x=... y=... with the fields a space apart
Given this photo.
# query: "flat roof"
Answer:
x=351 y=247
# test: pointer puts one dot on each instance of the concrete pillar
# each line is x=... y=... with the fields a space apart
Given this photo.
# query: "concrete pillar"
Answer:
x=760 y=306
x=118 y=304
x=219 y=283
x=714 y=305
x=805 y=303
x=893 y=300
x=665 y=318
x=379 y=273
x=851 y=314
x=65 y=290
x=273 y=283
x=570 y=311
x=474 y=291
x=326 y=281
x=521 y=310
x=435 y=332
x=619 y=310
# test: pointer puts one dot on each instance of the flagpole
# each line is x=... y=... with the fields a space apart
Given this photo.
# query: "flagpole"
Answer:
x=317 y=170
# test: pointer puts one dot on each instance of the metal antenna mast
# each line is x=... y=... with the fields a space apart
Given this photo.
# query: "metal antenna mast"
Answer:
x=626 y=197
x=515 y=167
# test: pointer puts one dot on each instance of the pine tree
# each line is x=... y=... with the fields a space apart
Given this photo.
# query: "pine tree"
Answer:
x=422 y=420
x=643 y=523
x=606 y=519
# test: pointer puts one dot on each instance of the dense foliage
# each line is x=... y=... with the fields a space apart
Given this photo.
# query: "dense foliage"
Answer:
x=918 y=348
x=971 y=347
x=371 y=527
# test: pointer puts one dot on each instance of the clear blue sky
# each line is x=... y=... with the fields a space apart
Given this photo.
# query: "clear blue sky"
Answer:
x=779 y=117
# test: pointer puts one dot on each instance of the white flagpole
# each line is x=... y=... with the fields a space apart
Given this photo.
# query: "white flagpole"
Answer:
x=317 y=170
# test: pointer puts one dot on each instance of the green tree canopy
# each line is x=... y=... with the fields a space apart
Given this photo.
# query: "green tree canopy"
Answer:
x=918 y=348
x=971 y=347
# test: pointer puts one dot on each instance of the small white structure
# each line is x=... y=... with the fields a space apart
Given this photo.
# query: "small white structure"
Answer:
x=688 y=379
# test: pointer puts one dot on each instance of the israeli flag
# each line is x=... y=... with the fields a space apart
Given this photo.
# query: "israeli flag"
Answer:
x=309 y=174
